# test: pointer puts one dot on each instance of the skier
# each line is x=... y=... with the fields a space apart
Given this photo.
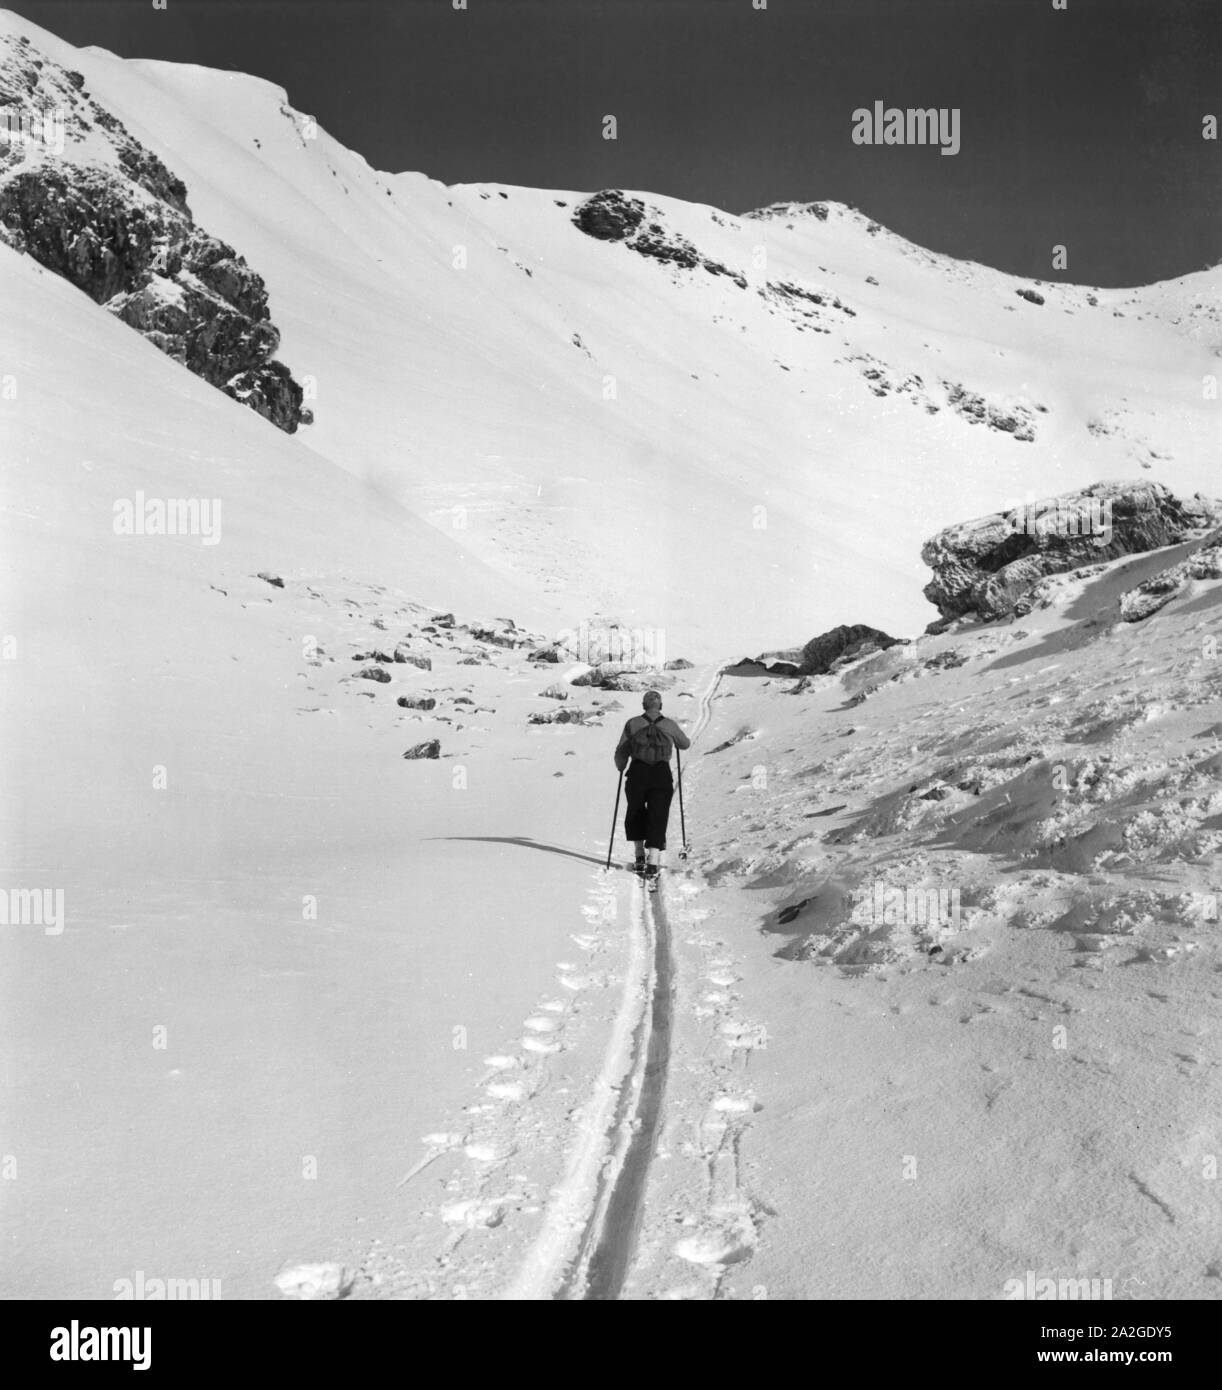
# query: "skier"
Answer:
x=648 y=739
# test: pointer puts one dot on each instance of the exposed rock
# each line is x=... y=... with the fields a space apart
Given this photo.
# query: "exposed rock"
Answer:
x=609 y=215
x=1156 y=592
x=612 y=215
x=570 y=715
x=416 y=702
x=373 y=673
x=499 y=636
x=786 y=662
x=431 y=748
x=623 y=676
x=938 y=793
x=444 y=619
x=555 y=692
x=373 y=655
x=824 y=652
x=1031 y=296
x=944 y=661
x=119 y=229
x=986 y=566
x=678 y=664
x=776 y=211
x=269 y=578
x=1015 y=420
x=405 y=656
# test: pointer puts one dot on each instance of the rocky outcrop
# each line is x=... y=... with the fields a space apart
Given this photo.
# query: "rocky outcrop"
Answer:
x=989 y=567
x=430 y=748
x=565 y=715
x=1015 y=420
x=613 y=216
x=609 y=215
x=787 y=662
x=83 y=198
x=1147 y=598
x=824 y=653
x=623 y=676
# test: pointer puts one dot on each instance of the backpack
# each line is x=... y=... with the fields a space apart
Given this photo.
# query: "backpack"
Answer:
x=649 y=744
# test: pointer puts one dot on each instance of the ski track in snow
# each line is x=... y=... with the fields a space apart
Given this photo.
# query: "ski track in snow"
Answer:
x=587 y=1227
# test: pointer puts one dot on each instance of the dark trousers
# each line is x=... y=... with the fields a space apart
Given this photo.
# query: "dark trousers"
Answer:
x=649 y=788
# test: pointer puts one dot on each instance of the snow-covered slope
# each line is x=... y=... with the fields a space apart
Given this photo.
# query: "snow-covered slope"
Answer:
x=629 y=432
x=262 y=954
x=942 y=1014
x=312 y=1002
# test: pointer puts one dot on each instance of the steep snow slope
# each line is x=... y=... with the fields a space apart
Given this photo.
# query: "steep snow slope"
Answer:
x=189 y=761
x=628 y=432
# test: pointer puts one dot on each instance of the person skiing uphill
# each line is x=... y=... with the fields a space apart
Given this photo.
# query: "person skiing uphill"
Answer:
x=648 y=740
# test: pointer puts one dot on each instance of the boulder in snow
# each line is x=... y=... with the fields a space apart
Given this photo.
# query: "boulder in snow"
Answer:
x=430 y=748
x=1156 y=592
x=848 y=641
x=985 y=567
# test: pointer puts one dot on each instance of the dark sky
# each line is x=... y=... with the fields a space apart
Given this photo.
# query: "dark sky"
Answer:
x=1081 y=127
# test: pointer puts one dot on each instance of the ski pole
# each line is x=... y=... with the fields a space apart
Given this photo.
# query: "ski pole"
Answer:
x=614 y=817
x=682 y=821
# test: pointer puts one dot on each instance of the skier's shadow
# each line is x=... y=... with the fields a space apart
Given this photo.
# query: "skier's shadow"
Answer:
x=527 y=843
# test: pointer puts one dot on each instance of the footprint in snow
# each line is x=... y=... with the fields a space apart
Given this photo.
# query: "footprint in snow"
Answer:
x=475 y=1212
x=745 y=1036
x=537 y=1024
x=728 y=1241
x=736 y=1105
x=489 y=1152
x=505 y=1090
x=314 y=1282
x=538 y=1045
